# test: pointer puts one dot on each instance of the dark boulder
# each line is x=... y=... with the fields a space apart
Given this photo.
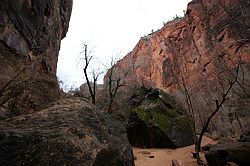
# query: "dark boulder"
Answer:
x=142 y=135
x=72 y=132
x=236 y=152
x=156 y=121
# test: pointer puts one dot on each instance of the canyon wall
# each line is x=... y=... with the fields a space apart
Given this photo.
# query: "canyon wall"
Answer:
x=199 y=55
x=30 y=37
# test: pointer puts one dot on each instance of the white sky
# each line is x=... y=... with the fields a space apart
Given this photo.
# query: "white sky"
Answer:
x=110 y=27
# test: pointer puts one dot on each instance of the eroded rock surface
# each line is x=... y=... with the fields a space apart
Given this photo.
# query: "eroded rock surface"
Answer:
x=72 y=132
x=30 y=36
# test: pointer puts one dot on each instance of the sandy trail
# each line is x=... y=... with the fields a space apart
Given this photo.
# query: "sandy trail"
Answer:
x=163 y=157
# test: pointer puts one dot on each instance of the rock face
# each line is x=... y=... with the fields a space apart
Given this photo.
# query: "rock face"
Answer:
x=84 y=89
x=30 y=36
x=200 y=51
x=72 y=132
x=236 y=152
x=156 y=122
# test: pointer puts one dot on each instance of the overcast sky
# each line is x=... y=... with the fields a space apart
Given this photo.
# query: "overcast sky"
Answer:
x=109 y=28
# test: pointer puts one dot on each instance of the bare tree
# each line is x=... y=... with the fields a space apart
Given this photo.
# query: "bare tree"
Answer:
x=217 y=108
x=87 y=60
x=223 y=87
x=114 y=84
x=95 y=77
x=95 y=74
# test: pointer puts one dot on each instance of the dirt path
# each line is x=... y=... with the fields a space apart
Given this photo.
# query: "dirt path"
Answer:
x=163 y=157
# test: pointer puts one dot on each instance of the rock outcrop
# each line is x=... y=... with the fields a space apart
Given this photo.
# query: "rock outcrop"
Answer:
x=84 y=90
x=156 y=122
x=30 y=36
x=236 y=152
x=200 y=52
x=71 y=132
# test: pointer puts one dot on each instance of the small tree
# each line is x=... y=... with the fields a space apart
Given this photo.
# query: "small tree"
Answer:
x=223 y=87
x=218 y=105
x=95 y=74
x=114 y=83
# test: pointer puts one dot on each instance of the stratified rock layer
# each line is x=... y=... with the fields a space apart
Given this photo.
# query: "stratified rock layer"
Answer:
x=30 y=36
x=72 y=132
x=199 y=52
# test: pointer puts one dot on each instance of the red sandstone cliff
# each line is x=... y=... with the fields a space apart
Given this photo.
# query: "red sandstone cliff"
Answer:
x=30 y=37
x=204 y=49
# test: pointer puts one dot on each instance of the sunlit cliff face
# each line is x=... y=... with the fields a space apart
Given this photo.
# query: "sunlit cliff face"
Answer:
x=200 y=51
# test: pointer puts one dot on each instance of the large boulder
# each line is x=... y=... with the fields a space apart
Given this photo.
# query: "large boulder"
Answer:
x=156 y=121
x=237 y=152
x=72 y=132
x=30 y=37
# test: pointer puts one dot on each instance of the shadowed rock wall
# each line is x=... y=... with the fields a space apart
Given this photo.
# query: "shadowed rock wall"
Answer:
x=30 y=37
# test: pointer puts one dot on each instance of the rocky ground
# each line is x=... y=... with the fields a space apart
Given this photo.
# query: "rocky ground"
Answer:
x=163 y=157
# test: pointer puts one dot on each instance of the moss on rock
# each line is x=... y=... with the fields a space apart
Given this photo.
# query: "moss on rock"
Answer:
x=164 y=119
x=157 y=109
